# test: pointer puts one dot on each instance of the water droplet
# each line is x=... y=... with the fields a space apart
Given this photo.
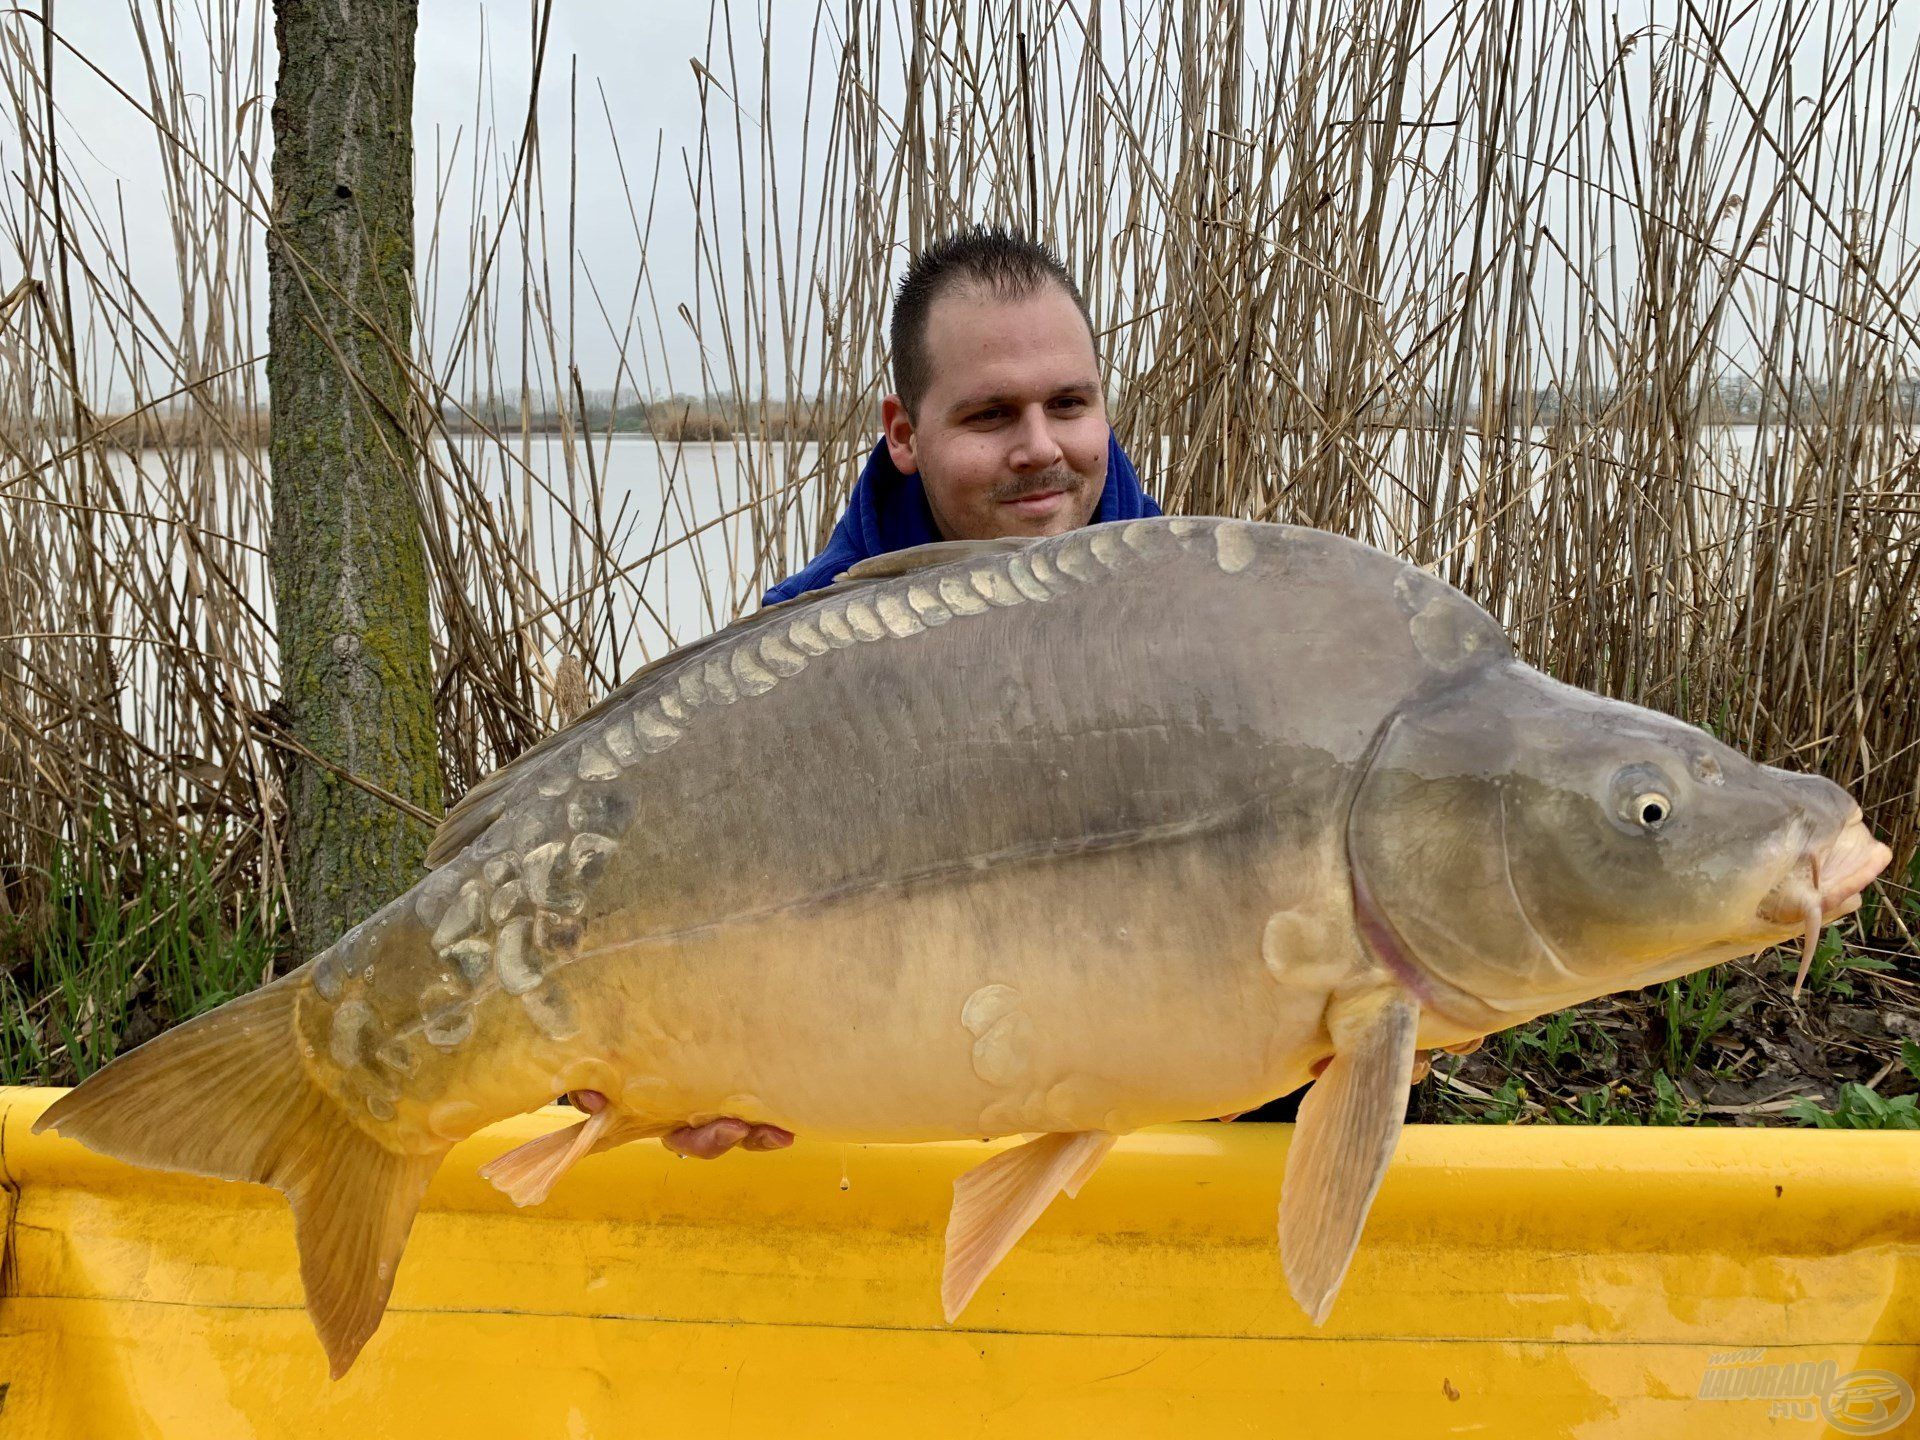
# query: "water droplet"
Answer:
x=845 y=1183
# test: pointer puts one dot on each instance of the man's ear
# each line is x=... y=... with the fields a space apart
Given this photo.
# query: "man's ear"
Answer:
x=898 y=425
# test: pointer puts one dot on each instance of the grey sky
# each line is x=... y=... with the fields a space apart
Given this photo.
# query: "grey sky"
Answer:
x=636 y=54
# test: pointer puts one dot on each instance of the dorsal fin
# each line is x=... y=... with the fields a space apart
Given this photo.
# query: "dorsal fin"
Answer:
x=487 y=800
x=939 y=552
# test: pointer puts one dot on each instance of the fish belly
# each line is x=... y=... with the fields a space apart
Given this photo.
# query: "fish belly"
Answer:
x=1100 y=994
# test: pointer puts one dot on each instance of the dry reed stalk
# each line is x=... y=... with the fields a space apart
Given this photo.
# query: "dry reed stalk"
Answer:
x=1482 y=286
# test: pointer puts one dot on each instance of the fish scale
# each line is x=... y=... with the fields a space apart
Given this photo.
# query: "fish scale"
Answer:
x=501 y=932
x=1146 y=822
x=504 y=934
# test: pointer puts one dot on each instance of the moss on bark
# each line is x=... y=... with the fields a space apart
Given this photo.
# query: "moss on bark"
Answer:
x=349 y=566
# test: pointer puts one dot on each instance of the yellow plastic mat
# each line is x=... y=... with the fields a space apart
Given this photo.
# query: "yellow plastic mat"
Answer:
x=1512 y=1282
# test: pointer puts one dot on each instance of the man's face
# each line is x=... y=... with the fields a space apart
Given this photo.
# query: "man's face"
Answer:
x=1011 y=438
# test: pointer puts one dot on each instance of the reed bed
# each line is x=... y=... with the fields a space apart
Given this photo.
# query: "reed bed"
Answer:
x=1608 y=326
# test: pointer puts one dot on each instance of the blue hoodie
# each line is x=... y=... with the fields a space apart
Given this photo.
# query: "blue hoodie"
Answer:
x=888 y=511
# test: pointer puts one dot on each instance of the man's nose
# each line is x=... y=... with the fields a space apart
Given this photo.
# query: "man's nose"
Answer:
x=1034 y=447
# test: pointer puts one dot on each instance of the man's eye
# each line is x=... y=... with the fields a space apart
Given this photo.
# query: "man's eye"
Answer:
x=1070 y=402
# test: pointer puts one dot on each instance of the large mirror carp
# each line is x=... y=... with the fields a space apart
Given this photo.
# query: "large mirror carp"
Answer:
x=1148 y=822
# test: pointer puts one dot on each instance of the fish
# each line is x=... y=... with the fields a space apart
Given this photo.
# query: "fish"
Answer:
x=1055 y=838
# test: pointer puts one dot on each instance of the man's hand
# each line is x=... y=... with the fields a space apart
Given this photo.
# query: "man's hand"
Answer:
x=703 y=1142
x=716 y=1137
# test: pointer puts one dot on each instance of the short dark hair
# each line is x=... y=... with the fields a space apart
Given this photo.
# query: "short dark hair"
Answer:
x=994 y=257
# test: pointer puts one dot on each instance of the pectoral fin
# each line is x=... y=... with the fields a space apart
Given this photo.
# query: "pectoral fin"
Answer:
x=1348 y=1126
x=996 y=1202
x=526 y=1175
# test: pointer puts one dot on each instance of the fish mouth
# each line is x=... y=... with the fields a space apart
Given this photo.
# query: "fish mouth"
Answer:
x=1823 y=885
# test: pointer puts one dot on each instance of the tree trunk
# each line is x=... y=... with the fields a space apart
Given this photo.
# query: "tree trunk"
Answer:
x=349 y=567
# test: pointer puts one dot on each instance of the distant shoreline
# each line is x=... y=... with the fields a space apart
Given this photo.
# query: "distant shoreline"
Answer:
x=174 y=429
x=252 y=432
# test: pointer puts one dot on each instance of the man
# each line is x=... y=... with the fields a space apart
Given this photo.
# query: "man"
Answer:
x=998 y=421
x=997 y=425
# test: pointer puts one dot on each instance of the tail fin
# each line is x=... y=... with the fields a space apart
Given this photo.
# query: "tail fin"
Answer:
x=227 y=1095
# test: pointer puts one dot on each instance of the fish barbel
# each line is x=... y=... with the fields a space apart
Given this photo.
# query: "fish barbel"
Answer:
x=1146 y=822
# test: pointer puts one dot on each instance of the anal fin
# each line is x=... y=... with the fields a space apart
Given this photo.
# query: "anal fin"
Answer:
x=1091 y=1156
x=996 y=1202
x=1348 y=1126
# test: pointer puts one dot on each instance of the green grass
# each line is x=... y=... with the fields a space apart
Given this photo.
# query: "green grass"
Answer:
x=1616 y=1103
x=1858 y=1108
x=1619 y=1104
x=23 y=1050
x=1833 y=962
x=124 y=942
x=1556 y=1038
x=1659 y=1056
x=1695 y=1009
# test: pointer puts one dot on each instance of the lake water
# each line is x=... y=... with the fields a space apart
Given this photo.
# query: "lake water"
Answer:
x=676 y=522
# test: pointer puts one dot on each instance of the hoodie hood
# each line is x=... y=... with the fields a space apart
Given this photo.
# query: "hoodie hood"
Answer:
x=888 y=511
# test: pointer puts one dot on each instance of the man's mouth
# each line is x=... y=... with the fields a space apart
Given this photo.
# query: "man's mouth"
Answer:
x=1040 y=502
x=1035 y=507
x=1824 y=885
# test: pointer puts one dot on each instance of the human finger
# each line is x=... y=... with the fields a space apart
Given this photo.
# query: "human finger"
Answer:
x=767 y=1137
x=708 y=1141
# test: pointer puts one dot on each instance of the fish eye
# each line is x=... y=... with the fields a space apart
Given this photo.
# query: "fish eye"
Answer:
x=1642 y=797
